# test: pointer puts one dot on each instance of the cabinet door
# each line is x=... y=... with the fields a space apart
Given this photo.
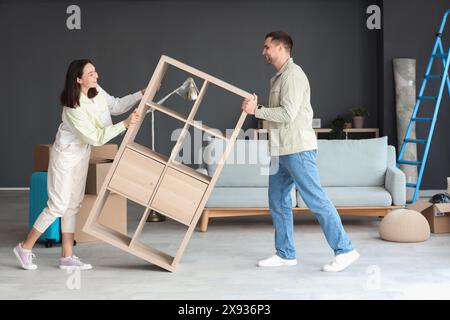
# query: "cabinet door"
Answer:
x=136 y=176
x=178 y=196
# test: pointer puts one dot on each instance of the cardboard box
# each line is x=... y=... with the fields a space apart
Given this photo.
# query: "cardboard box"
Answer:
x=98 y=169
x=42 y=154
x=41 y=157
x=113 y=215
x=107 y=151
x=437 y=214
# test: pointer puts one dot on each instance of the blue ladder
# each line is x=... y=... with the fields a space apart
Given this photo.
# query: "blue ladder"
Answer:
x=438 y=53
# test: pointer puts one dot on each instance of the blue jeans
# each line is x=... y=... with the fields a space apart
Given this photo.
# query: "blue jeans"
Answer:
x=301 y=169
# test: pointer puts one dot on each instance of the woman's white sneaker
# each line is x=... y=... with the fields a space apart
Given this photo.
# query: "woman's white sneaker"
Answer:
x=341 y=261
x=276 y=261
x=25 y=257
x=73 y=263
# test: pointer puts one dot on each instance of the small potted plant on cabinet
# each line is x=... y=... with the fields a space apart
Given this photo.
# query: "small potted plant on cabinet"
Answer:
x=337 y=128
x=348 y=124
x=359 y=114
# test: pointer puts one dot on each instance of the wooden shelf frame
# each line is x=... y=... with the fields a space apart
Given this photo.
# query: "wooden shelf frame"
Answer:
x=171 y=163
x=374 y=131
x=191 y=122
x=172 y=168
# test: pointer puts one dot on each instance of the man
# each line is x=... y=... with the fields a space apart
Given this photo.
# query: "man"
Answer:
x=293 y=146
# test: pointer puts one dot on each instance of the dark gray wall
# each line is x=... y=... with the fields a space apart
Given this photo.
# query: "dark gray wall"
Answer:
x=409 y=30
x=126 y=38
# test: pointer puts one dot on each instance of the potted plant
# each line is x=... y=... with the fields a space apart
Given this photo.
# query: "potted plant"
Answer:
x=359 y=114
x=337 y=126
x=348 y=124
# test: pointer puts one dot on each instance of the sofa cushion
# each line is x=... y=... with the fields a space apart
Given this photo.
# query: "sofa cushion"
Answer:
x=355 y=197
x=352 y=163
x=391 y=157
x=247 y=164
x=241 y=198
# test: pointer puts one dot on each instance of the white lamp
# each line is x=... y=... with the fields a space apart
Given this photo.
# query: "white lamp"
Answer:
x=188 y=91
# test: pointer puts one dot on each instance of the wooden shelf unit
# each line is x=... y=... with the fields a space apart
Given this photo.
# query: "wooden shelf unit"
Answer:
x=159 y=182
x=374 y=131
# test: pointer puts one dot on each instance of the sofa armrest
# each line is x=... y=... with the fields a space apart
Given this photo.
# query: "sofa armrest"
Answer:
x=396 y=185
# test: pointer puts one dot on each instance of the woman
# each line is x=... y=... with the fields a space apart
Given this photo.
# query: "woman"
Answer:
x=86 y=121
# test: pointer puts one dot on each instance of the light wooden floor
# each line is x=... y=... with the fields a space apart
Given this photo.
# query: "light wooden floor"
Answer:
x=220 y=264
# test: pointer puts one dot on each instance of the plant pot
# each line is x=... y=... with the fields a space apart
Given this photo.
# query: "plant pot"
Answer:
x=348 y=125
x=358 y=122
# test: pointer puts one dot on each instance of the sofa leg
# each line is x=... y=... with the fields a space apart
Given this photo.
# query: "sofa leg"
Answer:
x=385 y=213
x=204 y=221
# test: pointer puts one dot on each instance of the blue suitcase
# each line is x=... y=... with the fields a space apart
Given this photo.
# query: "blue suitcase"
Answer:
x=38 y=201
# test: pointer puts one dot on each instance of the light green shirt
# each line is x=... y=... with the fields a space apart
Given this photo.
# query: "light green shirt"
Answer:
x=289 y=112
x=90 y=122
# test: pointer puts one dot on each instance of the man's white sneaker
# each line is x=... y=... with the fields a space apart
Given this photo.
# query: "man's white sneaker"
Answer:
x=341 y=261
x=276 y=261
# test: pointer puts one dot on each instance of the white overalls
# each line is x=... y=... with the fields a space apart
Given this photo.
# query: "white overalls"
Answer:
x=83 y=126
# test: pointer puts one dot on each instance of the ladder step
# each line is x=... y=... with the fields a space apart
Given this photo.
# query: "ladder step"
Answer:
x=433 y=76
x=413 y=163
x=421 y=141
x=411 y=185
x=422 y=119
x=439 y=55
x=427 y=97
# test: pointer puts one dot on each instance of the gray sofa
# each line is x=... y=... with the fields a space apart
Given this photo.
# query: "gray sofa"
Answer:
x=359 y=176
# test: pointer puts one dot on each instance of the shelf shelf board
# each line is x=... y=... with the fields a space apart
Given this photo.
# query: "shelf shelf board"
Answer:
x=190 y=171
x=111 y=236
x=140 y=227
x=168 y=215
x=127 y=196
x=328 y=130
x=211 y=131
x=123 y=242
x=361 y=130
x=185 y=119
x=167 y=111
x=350 y=130
x=207 y=77
x=147 y=152
x=152 y=255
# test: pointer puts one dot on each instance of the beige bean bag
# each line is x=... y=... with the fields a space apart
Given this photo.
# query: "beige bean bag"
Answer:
x=404 y=225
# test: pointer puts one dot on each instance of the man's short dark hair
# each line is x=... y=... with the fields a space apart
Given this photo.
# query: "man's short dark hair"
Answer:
x=282 y=37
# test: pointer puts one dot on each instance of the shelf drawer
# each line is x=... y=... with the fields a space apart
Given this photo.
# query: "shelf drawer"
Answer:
x=178 y=196
x=136 y=176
